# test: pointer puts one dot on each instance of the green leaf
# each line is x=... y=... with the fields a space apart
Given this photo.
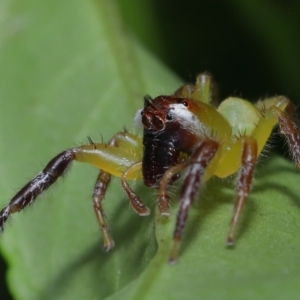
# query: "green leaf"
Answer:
x=71 y=70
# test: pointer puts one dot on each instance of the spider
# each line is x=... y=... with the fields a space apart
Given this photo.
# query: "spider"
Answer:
x=185 y=132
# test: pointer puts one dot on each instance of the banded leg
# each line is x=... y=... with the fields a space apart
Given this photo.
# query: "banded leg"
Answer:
x=278 y=110
x=99 y=192
x=289 y=129
x=194 y=177
x=125 y=140
x=111 y=159
x=100 y=188
x=244 y=180
x=54 y=169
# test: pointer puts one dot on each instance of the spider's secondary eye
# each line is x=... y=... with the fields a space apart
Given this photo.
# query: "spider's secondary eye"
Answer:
x=185 y=103
x=169 y=117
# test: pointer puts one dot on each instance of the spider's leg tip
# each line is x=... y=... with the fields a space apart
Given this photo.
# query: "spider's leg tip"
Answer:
x=172 y=261
x=109 y=246
x=145 y=212
x=174 y=251
x=230 y=242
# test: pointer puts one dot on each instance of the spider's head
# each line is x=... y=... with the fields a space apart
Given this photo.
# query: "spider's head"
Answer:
x=163 y=111
x=173 y=119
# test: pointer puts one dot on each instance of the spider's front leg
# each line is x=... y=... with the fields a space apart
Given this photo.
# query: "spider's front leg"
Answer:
x=123 y=151
x=54 y=169
x=197 y=164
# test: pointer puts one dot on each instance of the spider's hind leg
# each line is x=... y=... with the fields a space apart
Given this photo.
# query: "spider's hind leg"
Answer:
x=244 y=181
x=278 y=110
x=289 y=129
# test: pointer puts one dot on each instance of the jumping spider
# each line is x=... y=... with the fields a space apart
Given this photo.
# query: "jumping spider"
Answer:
x=183 y=132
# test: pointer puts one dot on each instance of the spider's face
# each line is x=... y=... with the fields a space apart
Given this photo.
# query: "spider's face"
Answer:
x=163 y=111
x=154 y=116
x=174 y=119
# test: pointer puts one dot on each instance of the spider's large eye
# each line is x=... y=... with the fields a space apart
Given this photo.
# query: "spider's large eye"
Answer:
x=157 y=123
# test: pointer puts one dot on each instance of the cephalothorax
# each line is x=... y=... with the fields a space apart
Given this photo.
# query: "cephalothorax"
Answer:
x=183 y=133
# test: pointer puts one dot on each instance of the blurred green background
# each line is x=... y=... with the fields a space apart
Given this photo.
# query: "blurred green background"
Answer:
x=251 y=47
